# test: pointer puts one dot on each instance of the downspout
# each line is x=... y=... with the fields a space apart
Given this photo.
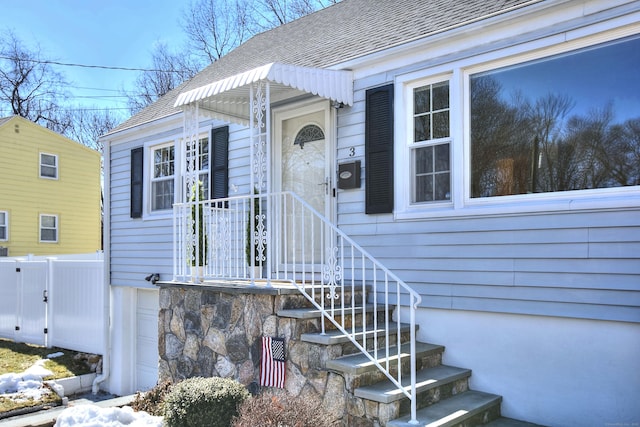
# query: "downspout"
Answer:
x=106 y=267
x=106 y=341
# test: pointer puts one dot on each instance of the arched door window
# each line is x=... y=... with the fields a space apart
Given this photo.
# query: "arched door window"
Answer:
x=309 y=133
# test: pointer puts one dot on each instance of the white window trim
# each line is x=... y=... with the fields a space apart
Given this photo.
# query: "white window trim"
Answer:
x=40 y=165
x=462 y=204
x=5 y=226
x=404 y=175
x=180 y=170
x=57 y=228
x=149 y=179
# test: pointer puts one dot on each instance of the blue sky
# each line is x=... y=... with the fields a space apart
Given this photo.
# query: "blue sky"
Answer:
x=119 y=33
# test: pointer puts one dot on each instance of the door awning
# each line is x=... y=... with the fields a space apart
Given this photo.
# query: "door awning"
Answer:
x=228 y=99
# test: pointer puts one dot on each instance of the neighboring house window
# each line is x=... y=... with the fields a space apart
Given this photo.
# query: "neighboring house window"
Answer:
x=48 y=166
x=162 y=178
x=565 y=122
x=430 y=144
x=48 y=228
x=4 y=225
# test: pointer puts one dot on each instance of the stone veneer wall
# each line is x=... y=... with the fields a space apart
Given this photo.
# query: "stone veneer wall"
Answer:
x=216 y=331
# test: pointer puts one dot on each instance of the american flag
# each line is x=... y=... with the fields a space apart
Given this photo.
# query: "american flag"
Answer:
x=272 y=365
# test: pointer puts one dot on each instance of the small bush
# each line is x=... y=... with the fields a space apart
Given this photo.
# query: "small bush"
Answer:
x=210 y=402
x=152 y=401
x=278 y=409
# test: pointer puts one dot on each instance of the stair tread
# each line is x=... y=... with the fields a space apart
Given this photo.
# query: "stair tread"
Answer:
x=312 y=312
x=451 y=411
x=335 y=336
x=426 y=379
x=358 y=363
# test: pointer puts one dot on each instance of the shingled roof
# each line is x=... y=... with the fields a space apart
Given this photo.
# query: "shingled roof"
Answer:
x=3 y=120
x=344 y=31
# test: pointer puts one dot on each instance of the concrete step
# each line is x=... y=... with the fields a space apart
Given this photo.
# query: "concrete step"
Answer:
x=359 y=363
x=468 y=408
x=337 y=337
x=426 y=380
x=314 y=313
x=292 y=301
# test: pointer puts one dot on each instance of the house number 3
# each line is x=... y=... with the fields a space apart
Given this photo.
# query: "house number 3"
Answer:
x=352 y=151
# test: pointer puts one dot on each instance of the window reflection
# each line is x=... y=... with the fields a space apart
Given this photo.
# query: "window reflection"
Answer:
x=567 y=122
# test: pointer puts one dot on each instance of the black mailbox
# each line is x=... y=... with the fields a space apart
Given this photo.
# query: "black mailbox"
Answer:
x=349 y=175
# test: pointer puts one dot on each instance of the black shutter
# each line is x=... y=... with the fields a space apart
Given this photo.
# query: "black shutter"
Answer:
x=378 y=150
x=137 y=164
x=219 y=175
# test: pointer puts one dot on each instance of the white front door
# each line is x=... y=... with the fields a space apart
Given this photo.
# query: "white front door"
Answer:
x=304 y=166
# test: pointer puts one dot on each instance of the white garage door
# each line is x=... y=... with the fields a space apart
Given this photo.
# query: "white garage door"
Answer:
x=147 y=339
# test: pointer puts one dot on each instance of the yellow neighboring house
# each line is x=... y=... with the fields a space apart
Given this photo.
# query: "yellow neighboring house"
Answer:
x=49 y=192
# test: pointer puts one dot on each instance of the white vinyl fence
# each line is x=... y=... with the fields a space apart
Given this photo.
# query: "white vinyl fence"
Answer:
x=55 y=301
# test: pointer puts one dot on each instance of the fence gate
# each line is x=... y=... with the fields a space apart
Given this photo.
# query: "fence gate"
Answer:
x=55 y=302
x=8 y=298
x=32 y=310
x=22 y=307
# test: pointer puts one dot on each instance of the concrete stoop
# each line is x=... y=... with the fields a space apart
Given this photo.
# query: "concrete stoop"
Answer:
x=443 y=394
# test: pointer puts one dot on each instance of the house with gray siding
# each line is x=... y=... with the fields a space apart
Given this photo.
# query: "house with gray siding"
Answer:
x=486 y=154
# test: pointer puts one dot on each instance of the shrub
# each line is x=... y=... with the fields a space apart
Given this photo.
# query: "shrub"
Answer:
x=279 y=409
x=152 y=401
x=197 y=401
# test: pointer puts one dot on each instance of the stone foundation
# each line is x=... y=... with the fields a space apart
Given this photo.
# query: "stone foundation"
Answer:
x=216 y=331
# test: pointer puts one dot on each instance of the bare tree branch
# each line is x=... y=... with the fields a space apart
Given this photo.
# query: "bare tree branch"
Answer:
x=151 y=85
x=30 y=86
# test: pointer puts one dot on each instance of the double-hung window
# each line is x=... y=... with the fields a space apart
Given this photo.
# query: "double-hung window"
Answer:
x=162 y=178
x=48 y=166
x=202 y=165
x=48 y=228
x=430 y=143
x=4 y=225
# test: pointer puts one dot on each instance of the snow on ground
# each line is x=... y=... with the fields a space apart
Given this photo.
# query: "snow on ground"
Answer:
x=94 y=416
x=27 y=384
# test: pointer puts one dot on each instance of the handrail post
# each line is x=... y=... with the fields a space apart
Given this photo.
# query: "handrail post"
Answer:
x=412 y=334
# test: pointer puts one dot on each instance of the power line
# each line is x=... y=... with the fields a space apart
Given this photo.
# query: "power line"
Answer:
x=102 y=67
x=97 y=88
x=5 y=112
x=99 y=96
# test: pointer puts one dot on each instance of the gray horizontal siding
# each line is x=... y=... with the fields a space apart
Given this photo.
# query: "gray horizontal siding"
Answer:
x=138 y=247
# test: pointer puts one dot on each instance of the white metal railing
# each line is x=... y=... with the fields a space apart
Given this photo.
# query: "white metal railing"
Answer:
x=278 y=237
